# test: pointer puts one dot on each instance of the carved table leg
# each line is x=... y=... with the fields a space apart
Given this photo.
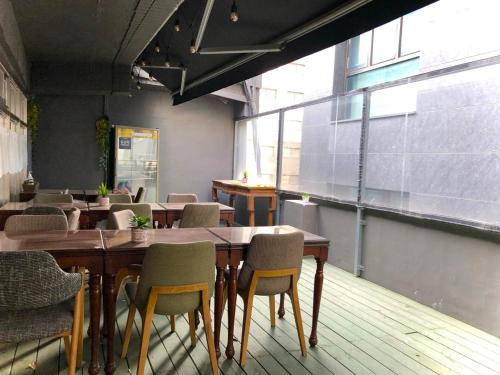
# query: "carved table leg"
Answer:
x=281 y=310
x=95 y=320
x=318 y=288
x=231 y=310
x=109 y=316
x=251 y=211
x=219 y=298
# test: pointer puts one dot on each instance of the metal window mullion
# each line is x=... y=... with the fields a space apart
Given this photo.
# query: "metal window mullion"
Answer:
x=279 y=158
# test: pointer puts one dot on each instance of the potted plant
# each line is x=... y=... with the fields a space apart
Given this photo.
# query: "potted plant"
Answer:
x=245 y=177
x=103 y=198
x=139 y=225
x=305 y=197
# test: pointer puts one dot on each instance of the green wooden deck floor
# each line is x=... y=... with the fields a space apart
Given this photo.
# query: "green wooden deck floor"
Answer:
x=363 y=329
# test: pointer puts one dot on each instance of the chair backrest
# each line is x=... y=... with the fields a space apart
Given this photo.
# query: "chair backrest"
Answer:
x=182 y=198
x=200 y=215
x=43 y=210
x=121 y=219
x=32 y=279
x=139 y=197
x=74 y=219
x=272 y=252
x=172 y=265
x=142 y=209
x=120 y=198
x=53 y=198
x=35 y=223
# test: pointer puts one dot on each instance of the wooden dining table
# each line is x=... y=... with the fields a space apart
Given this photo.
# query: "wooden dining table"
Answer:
x=82 y=248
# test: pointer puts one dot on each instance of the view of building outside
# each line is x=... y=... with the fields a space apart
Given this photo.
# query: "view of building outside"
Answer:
x=433 y=144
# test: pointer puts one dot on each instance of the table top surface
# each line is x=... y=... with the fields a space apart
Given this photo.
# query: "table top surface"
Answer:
x=180 y=206
x=243 y=235
x=96 y=207
x=56 y=191
x=56 y=240
x=21 y=206
x=243 y=185
x=120 y=239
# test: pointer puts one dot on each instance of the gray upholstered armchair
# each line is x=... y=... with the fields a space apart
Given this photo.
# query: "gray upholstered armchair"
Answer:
x=120 y=198
x=43 y=210
x=197 y=215
x=182 y=198
x=35 y=223
x=142 y=209
x=53 y=198
x=35 y=301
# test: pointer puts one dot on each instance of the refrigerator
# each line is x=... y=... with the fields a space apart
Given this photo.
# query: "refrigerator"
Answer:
x=136 y=159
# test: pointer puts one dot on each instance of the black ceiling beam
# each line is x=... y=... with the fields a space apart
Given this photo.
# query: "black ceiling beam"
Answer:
x=375 y=13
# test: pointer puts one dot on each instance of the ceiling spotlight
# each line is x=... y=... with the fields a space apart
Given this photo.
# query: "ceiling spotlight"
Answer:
x=177 y=25
x=138 y=85
x=167 y=62
x=233 y=16
x=192 y=48
x=157 y=47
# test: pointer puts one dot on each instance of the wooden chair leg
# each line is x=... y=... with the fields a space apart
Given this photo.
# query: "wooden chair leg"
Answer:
x=77 y=316
x=207 y=324
x=79 y=355
x=298 y=317
x=272 y=310
x=67 y=346
x=128 y=329
x=247 y=318
x=192 y=328
x=147 y=322
x=172 y=323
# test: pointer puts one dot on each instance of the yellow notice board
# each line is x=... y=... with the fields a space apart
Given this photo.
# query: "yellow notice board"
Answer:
x=137 y=159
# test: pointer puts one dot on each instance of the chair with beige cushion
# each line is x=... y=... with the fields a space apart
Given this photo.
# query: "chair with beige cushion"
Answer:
x=120 y=198
x=142 y=209
x=36 y=302
x=121 y=219
x=272 y=266
x=182 y=198
x=74 y=218
x=35 y=223
x=197 y=215
x=175 y=279
x=43 y=210
x=53 y=198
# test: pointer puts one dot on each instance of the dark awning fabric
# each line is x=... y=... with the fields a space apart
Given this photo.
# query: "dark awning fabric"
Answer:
x=278 y=18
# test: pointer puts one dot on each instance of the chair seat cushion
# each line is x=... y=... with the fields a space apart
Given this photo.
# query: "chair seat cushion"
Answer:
x=33 y=324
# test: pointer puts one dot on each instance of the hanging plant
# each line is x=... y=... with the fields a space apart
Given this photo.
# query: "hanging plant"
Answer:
x=33 y=116
x=102 y=129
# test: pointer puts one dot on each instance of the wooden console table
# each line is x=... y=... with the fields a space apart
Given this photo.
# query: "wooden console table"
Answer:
x=235 y=187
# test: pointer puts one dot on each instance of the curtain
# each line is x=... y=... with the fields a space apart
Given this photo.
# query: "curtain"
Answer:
x=13 y=158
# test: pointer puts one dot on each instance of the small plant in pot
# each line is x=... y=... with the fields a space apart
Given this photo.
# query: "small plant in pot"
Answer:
x=139 y=225
x=103 y=198
x=245 y=177
x=305 y=197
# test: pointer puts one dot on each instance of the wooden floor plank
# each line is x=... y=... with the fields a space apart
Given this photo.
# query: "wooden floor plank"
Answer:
x=48 y=357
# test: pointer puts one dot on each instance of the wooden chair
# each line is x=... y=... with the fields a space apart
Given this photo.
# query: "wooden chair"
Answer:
x=197 y=215
x=139 y=197
x=35 y=223
x=175 y=279
x=53 y=198
x=43 y=309
x=272 y=266
x=120 y=198
x=182 y=198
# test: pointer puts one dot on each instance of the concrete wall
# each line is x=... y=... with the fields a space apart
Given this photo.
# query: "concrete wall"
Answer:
x=196 y=139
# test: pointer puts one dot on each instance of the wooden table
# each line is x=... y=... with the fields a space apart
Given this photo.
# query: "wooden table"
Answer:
x=98 y=213
x=239 y=239
x=174 y=212
x=235 y=187
x=120 y=252
x=17 y=208
x=74 y=248
x=80 y=194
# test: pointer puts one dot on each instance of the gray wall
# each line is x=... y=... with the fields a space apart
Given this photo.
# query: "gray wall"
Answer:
x=196 y=139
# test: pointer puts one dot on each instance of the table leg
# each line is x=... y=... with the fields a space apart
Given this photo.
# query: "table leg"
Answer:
x=271 y=210
x=231 y=200
x=231 y=310
x=109 y=316
x=214 y=195
x=251 y=211
x=318 y=288
x=95 y=320
x=218 y=308
x=281 y=310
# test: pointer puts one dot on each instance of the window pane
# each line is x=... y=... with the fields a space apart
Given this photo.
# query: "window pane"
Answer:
x=257 y=149
x=385 y=42
x=385 y=74
x=359 y=51
x=321 y=152
x=410 y=36
x=444 y=159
